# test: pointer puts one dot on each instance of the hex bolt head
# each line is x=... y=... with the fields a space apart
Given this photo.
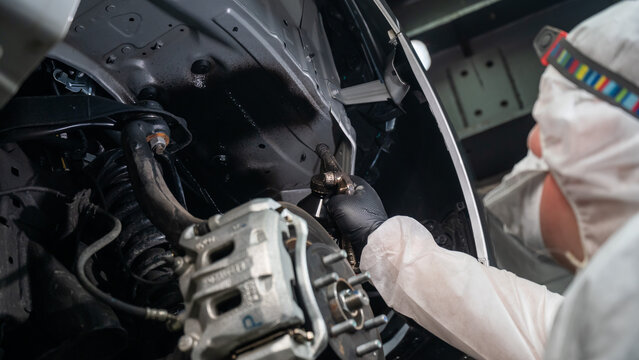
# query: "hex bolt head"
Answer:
x=359 y=279
x=344 y=326
x=158 y=144
x=368 y=347
x=375 y=322
x=179 y=265
x=335 y=257
x=325 y=280
x=186 y=343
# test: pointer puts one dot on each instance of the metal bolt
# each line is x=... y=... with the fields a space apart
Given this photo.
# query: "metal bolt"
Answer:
x=333 y=258
x=158 y=144
x=157 y=45
x=79 y=28
x=179 y=265
x=359 y=279
x=325 y=280
x=126 y=49
x=354 y=300
x=344 y=326
x=110 y=8
x=392 y=36
x=375 y=322
x=186 y=343
x=368 y=347
x=111 y=59
x=301 y=336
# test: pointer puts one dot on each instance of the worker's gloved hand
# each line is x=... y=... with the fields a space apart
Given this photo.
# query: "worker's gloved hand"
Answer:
x=357 y=215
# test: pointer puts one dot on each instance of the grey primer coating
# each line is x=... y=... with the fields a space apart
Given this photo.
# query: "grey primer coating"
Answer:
x=132 y=45
x=237 y=285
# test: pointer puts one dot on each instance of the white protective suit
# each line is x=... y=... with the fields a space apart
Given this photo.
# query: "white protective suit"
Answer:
x=598 y=319
x=493 y=314
x=591 y=148
x=485 y=312
x=588 y=145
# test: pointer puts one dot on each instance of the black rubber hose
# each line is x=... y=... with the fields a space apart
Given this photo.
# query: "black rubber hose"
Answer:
x=86 y=254
x=155 y=197
x=33 y=189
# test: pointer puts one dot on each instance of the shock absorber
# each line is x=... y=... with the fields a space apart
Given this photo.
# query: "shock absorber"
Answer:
x=144 y=251
x=152 y=218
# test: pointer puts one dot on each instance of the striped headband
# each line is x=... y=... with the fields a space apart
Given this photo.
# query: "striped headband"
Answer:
x=553 y=48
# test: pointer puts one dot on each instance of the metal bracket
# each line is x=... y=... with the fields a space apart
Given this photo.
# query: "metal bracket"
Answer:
x=393 y=87
x=374 y=91
x=79 y=83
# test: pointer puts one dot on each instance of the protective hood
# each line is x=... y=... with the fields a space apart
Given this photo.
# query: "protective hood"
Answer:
x=592 y=147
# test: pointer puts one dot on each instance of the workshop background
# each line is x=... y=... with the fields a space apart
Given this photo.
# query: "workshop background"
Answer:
x=484 y=68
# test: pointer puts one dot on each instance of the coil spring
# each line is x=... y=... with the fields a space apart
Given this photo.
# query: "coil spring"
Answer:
x=144 y=250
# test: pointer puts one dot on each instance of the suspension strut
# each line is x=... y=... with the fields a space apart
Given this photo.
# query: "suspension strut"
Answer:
x=152 y=218
x=143 y=249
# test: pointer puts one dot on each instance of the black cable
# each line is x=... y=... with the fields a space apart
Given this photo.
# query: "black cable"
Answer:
x=86 y=254
x=33 y=188
x=28 y=133
x=38 y=132
x=175 y=183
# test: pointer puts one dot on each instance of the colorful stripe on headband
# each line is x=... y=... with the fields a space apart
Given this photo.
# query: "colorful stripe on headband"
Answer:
x=593 y=77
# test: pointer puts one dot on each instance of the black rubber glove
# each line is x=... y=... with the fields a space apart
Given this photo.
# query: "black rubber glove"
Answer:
x=357 y=215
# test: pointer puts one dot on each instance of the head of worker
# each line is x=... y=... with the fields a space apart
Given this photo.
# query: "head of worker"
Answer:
x=586 y=140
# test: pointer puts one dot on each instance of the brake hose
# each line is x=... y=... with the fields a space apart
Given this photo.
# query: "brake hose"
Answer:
x=86 y=254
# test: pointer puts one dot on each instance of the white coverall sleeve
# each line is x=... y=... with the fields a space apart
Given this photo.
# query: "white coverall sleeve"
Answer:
x=485 y=312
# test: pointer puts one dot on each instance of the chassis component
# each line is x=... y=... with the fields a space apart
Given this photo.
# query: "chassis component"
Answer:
x=240 y=289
